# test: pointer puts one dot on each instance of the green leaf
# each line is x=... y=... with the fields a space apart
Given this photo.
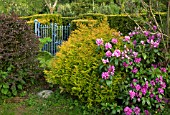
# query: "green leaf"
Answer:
x=109 y=82
x=113 y=111
x=5 y=86
x=148 y=102
x=144 y=56
x=116 y=61
x=143 y=101
x=19 y=86
x=4 y=91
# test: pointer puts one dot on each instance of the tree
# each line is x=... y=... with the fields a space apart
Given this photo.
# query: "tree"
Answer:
x=50 y=6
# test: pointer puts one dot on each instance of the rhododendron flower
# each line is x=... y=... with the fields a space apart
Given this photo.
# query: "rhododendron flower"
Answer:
x=151 y=95
x=136 y=110
x=157 y=80
x=114 y=41
x=111 y=69
x=108 y=46
x=138 y=87
x=135 y=70
x=135 y=54
x=116 y=53
x=143 y=90
x=132 y=94
x=138 y=99
x=132 y=86
x=108 y=54
x=154 y=65
x=135 y=80
x=163 y=69
x=163 y=85
x=105 y=75
x=142 y=42
x=146 y=33
x=134 y=42
x=154 y=28
x=99 y=42
x=128 y=111
x=158 y=99
x=105 y=61
x=137 y=60
x=130 y=63
x=159 y=35
x=151 y=37
x=160 y=90
x=125 y=64
x=146 y=112
x=127 y=39
x=152 y=82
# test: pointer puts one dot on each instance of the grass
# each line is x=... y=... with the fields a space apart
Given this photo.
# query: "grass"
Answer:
x=31 y=104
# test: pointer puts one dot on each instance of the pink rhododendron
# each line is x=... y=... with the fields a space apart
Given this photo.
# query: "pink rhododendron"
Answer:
x=143 y=90
x=154 y=28
x=163 y=69
x=114 y=41
x=105 y=61
x=108 y=46
x=152 y=82
x=99 y=42
x=108 y=54
x=137 y=60
x=151 y=95
x=135 y=70
x=136 y=110
x=142 y=42
x=146 y=33
x=135 y=54
x=127 y=39
x=128 y=111
x=105 y=75
x=125 y=64
x=160 y=90
x=132 y=94
x=116 y=53
x=146 y=112
x=111 y=69
x=138 y=87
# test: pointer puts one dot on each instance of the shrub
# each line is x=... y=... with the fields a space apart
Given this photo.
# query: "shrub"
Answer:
x=75 y=67
x=18 y=50
x=67 y=20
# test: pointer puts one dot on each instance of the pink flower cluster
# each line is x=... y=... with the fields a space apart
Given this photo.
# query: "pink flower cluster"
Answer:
x=110 y=72
x=157 y=85
x=99 y=42
x=129 y=111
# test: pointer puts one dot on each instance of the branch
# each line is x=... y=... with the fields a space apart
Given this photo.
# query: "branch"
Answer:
x=48 y=4
x=55 y=4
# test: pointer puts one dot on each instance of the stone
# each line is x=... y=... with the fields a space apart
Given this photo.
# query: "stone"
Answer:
x=45 y=93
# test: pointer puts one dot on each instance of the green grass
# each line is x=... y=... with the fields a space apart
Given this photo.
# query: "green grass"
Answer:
x=56 y=104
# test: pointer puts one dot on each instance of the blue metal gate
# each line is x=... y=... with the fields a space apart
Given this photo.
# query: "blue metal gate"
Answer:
x=58 y=34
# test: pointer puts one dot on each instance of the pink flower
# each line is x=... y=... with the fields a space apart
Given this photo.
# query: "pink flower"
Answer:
x=105 y=61
x=114 y=41
x=160 y=90
x=105 y=75
x=134 y=42
x=152 y=82
x=163 y=85
x=151 y=95
x=135 y=70
x=99 y=42
x=108 y=46
x=158 y=99
x=154 y=28
x=125 y=64
x=127 y=38
x=108 y=54
x=136 y=110
x=138 y=87
x=146 y=112
x=135 y=80
x=143 y=90
x=111 y=69
x=116 y=53
x=137 y=60
x=132 y=94
x=146 y=33
x=154 y=65
x=128 y=111
x=142 y=42
x=163 y=69
x=159 y=35
x=135 y=54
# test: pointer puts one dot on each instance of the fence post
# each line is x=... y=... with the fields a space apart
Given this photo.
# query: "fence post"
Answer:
x=36 y=27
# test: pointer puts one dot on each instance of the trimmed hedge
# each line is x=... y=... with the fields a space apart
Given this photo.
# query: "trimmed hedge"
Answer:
x=75 y=67
x=75 y=24
x=67 y=20
x=93 y=16
x=44 y=18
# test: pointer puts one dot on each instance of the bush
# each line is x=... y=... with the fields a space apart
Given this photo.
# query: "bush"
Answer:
x=75 y=67
x=67 y=20
x=18 y=50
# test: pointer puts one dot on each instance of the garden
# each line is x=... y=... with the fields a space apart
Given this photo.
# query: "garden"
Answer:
x=116 y=60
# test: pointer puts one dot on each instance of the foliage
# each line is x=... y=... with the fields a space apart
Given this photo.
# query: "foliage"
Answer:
x=44 y=57
x=67 y=20
x=75 y=24
x=75 y=67
x=142 y=59
x=43 y=18
x=18 y=51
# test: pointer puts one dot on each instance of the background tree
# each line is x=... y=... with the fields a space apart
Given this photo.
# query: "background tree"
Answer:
x=50 y=6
